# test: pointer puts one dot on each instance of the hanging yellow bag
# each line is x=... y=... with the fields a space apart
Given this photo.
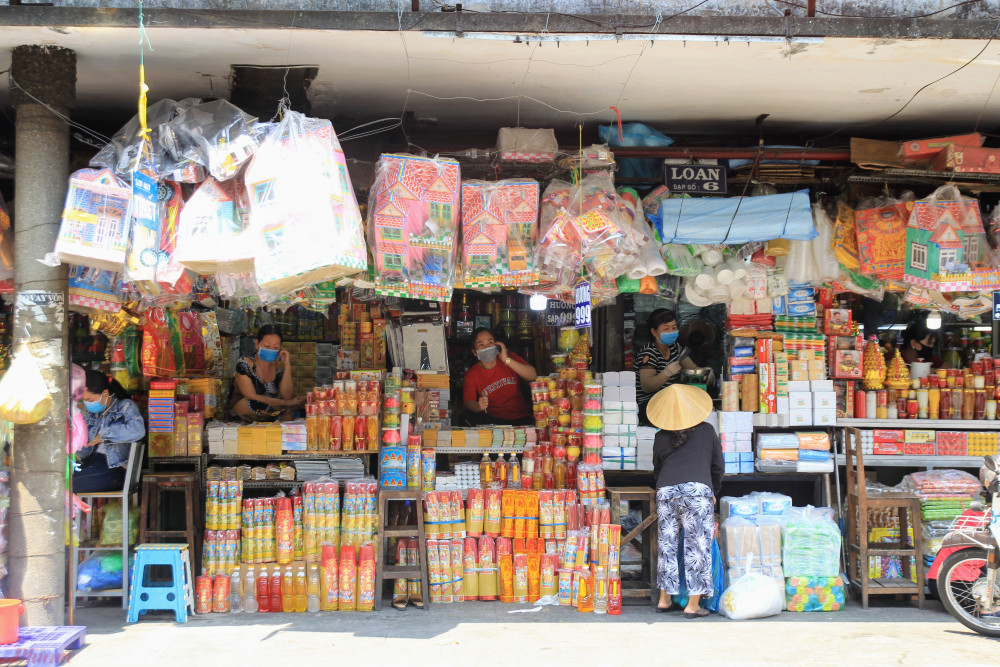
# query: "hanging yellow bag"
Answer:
x=845 y=237
x=24 y=398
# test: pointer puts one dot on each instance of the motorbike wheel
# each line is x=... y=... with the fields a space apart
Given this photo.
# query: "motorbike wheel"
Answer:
x=956 y=595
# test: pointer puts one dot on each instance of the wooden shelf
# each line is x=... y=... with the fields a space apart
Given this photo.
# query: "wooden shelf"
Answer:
x=291 y=456
x=893 y=461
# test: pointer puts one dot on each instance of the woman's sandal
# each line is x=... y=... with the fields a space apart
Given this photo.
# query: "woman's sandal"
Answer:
x=701 y=613
x=673 y=607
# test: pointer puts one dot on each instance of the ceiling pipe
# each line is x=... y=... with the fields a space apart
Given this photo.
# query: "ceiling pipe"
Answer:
x=823 y=154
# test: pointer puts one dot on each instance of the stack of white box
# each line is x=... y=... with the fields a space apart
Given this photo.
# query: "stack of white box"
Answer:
x=231 y=440
x=621 y=419
x=644 y=447
x=736 y=434
x=810 y=403
x=214 y=432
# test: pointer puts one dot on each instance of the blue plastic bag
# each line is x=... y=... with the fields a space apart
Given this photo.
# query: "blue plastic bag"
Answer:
x=636 y=135
x=100 y=572
x=718 y=574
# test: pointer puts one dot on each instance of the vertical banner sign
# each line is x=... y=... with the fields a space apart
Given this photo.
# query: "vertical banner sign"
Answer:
x=581 y=316
x=996 y=306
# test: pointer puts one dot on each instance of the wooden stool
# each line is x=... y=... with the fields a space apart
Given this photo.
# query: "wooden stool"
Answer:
x=907 y=507
x=647 y=531
x=150 y=522
x=386 y=532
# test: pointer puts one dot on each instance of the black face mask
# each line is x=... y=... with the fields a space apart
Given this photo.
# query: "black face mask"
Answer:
x=925 y=353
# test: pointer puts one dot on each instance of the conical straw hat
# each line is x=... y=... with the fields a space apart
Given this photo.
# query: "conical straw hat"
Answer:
x=678 y=407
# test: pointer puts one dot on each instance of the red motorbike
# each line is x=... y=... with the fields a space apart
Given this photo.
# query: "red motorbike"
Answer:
x=964 y=573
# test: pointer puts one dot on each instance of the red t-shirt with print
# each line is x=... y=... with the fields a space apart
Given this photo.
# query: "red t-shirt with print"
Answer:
x=501 y=385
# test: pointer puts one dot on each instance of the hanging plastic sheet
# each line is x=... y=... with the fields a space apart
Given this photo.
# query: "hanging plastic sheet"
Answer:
x=636 y=134
x=735 y=220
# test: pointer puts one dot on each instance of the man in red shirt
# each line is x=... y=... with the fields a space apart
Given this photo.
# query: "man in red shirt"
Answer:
x=492 y=392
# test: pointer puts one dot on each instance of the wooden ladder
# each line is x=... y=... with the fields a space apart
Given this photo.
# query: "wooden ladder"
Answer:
x=387 y=532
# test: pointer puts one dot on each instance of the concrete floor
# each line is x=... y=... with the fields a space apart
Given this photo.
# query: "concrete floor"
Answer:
x=889 y=633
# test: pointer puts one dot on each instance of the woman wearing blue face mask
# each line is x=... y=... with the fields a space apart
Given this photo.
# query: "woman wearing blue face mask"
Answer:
x=655 y=361
x=264 y=388
x=113 y=424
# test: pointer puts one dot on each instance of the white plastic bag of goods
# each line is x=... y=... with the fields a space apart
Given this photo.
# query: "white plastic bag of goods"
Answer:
x=212 y=236
x=95 y=221
x=752 y=596
x=304 y=220
x=735 y=220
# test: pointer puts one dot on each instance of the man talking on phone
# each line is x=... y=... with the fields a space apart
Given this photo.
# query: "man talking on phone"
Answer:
x=492 y=393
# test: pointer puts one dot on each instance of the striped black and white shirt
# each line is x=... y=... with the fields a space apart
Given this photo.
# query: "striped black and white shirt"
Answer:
x=651 y=357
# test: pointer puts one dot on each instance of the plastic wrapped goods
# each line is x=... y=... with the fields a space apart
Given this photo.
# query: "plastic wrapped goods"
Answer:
x=94 y=290
x=212 y=236
x=95 y=221
x=748 y=543
x=24 y=398
x=815 y=593
x=413 y=218
x=882 y=239
x=101 y=571
x=304 y=220
x=216 y=135
x=811 y=545
x=499 y=228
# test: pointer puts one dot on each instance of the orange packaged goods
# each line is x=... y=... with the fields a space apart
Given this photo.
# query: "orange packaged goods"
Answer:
x=366 y=578
x=329 y=580
x=882 y=240
x=434 y=573
x=413 y=586
x=348 y=579
x=470 y=569
x=491 y=522
x=548 y=585
x=432 y=518
x=508 y=512
x=520 y=577
x=505 y=560
x=444 y=565
x=284 y=530
x=475 y=514
x=457 y=570
x=535 y=548
x=487 y=569
x=521 y=513
x=203 y=595
x=815 y=441
x=399 y=585
x=220 y=594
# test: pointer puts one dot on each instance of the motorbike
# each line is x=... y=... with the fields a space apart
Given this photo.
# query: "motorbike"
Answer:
x=965 y=570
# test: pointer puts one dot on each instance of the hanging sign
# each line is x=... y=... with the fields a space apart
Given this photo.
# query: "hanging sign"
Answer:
x=558 y=313
x=695 y=178
x=996 y=306
x=581 y=315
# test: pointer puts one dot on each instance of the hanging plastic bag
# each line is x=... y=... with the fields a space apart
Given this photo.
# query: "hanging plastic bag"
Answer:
x=752 y=596
x=212 y=236
x=101 y=571
x=24 y=398
x=882 y=239
x=217 y=135
x=828 y=268
x=111 y=525
x=800 y=265
x=158 y=358
x=94 y=230
x=77 y=426
x=845 y=237
x=636 y=134
x=499 y=231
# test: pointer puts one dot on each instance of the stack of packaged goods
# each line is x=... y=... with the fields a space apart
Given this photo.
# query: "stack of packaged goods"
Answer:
x=221 y=546
x=645 y=438
x=620 y=421
x=814 y=453
x=521 y=546
x=811 y=557
x=161 y=418
x=777 y=452
x=293 y=436
x=751 y=535
x=944 y=494
x=736 y=434
x=393 y=451
x=362 y=337
x=343 y=417
x=313 y=554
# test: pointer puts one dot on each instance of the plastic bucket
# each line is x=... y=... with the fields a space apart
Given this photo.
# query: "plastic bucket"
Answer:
x=10 y=620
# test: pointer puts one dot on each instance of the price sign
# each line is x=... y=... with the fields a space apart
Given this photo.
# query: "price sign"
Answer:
x=996 y=306
x=581 y=315
x=558 y=313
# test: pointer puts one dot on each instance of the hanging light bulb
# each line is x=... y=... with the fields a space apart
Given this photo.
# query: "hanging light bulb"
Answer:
x=934 y=320
x=537 y=302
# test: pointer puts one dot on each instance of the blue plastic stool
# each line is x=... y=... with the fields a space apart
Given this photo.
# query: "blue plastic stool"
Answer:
x=176 y=595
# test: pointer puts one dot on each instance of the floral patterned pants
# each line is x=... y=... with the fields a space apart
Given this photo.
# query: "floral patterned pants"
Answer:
x=690 y=506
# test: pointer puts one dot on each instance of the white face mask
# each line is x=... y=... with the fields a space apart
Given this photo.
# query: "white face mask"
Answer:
x=487 y=353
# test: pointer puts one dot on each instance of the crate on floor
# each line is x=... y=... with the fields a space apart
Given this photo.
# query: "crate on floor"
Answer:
x=44 y=645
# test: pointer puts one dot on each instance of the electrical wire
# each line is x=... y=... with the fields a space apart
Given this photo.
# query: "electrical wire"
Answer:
x=862 y=16
x=83 y=128
x=509 y=97
x=922 y=88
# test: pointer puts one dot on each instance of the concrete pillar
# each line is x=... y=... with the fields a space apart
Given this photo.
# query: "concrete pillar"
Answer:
x=41 y=76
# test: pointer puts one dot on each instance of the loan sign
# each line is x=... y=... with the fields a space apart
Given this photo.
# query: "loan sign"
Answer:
x=695 y=178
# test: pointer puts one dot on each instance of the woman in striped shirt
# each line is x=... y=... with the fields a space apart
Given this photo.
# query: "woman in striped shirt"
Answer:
x=654 y=361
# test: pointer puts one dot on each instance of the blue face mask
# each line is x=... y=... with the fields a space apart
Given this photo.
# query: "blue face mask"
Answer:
x=669 y=338
x=268 y=355
x=94 y=406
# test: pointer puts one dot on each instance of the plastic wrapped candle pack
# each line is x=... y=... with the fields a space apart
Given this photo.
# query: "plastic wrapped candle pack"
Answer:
x=94 y=230
x=413 y=218
x=470 y=568
x=487 y=569
x=348 y=579
x=499 y=226
x=304 y=219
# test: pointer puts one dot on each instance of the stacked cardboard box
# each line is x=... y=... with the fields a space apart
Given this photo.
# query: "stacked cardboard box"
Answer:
x=161 y=418
x=736 y=434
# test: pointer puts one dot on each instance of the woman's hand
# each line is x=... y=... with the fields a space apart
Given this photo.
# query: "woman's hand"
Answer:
x=96 y=440
x=504 y=357
x=484 y=402
x=673 y=369
x=296 y=402
x=285 y=358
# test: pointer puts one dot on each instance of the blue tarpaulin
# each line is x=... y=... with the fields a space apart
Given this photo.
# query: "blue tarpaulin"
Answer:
x=732 y=220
